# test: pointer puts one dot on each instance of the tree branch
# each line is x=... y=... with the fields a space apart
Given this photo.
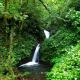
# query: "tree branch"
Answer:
x=45 y=6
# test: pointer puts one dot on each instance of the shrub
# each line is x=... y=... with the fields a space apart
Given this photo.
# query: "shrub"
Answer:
x=73 y=18
x=66 y=67
x=23 y=48
x=58 y=44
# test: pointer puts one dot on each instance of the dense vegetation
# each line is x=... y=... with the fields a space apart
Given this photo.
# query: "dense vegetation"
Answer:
x=21 y=27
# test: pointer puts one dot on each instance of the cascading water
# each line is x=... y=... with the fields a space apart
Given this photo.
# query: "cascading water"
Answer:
x=35 y=56
x=34 y=59
x=47 y=34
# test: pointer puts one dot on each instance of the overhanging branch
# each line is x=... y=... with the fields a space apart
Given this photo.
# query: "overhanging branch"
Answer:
x=45 y=6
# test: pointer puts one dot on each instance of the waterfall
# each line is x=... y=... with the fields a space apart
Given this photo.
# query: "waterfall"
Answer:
x=47 y=34
x=34 y=59
x=36 y=52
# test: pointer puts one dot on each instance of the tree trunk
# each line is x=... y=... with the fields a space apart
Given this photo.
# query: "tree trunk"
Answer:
x=11 y=40
x=6 y=5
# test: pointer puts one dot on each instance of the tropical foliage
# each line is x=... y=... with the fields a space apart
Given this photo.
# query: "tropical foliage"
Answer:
x=21 y=27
